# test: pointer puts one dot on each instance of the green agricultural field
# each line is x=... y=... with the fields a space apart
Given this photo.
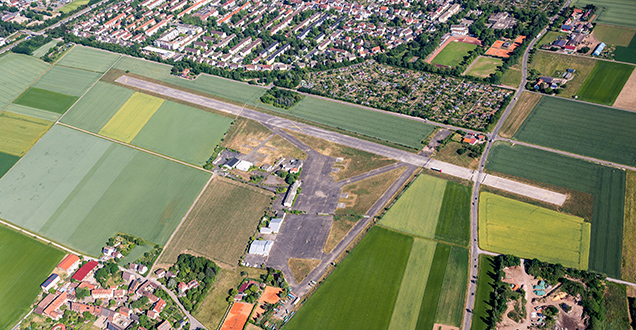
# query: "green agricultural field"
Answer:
x=613 y=12
x=430 y=300
x=485 y=285
x=67 y=81
x=417 y=210
x=483 y=67
x=97 y=106
x=580 y=128
x=605 y=82
x=614 y=35
x=552 y=64
x=373 y=124
x=344 y=301
x=32 y=112
x=453 y=54
x=46 y=100
x=90 y=59
x=74 y=5
x=44 y=49
x=80 y=190
x=17 y=72
x=409 y=300
x=26 y=263
x=19 y=132
x=454 y=217
x=606 y=184
x=508 y=226
x=450 y=307
x=6 y=162
x=183 y=132
x=626 y=53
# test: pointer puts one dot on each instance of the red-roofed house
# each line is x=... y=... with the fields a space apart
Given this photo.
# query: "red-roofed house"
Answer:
x=85 y=270
x=159 y=305
x=470 y=141
x=69 y=264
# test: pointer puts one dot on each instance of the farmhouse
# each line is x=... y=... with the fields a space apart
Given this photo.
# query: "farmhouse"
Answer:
x=261 y=247
x=69 y=264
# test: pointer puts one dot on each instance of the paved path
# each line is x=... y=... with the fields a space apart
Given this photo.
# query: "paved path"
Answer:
x=524 y=189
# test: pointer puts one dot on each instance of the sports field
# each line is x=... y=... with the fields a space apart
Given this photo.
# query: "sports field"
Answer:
x=46 y=100
x=453 y=54
x=343 y=116
x=90 y=59
x=26 y=263
x=344 y=301
x=485 y=285
x=131 y=117
x=67 y=81
x=605 y=82
x=17 y=72
x=80 y=190
x=508 y=226
x=432 y=208
x=613 y=12
x=607 y=185
x=221 y=223
x=552 y=64
x=74 y=5
x=483 y=67
x=19 y=132
x=580 y=128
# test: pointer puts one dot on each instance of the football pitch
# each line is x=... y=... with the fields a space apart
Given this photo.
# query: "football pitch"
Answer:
x=80 y=190
x=453 y=54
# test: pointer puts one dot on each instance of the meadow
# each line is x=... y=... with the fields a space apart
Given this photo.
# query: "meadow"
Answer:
x=17 y=72
x=80 y=190
x=605 y=82
x=90 y=59
x=74 y=5
x=512 y=77
x=26 y=263
x=453 y=54
x=46 y=100
x=337 y=115
x=508 y=226
x=524 y=106
x=485 y=285
x=483 y=67
x=343 y=301
x=584 y=129
x=221 y=223
x=67 y=81
x=364 y=194
x=613 y=12
x=606 y=184
x=551 y=64
x=19 y=132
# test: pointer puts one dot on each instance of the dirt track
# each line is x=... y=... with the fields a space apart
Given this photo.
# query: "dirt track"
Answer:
x=627 y=98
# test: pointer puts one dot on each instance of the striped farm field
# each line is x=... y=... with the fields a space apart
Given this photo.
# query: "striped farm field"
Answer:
x=26 y=263
x=585 y=129
x=508 y=226
x=67 y=81
x=80 y=190
x=46 y=100
x=605 y=184
x=347 y=117
x=97 y=106
x=32 y=112
x=613 y=12
x=131 y=117
x=17 y=72
x=19 y=132
x=485 y=285
x=453 y=224
x=90 y=59
x=605 y=82
x=450 y=305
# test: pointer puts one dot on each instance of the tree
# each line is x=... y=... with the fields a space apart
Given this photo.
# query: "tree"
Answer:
x=82 y=293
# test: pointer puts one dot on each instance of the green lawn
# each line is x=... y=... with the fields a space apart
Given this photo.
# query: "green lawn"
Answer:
x=46 y=100
x=90 y=59
x=450 y=307
x=508 y=226
x=183 y=132
x=26 y=263
x=607 y=185
x=418 y=208
x=485 y=285
x=81 y=190
x=74 y=5
x=17 y=72
x=454 y=218
x=613 y=12
x=484 y=66
x=6 y=162
x=453 y=54
x=580 y=128
x=605 y=82
x=512 y=77
x=550 y=37
x=429 y=306
x=362 y=291
x=343 y=116
x=67 y=81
